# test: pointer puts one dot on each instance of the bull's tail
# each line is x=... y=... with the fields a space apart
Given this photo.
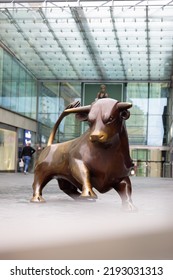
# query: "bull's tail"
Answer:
x=63 y=114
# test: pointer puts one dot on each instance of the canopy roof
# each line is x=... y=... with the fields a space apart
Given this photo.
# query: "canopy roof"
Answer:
x=90 y=40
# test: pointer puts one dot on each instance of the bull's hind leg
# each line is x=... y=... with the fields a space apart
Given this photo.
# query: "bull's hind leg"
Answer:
x=40 y=180
x=68 y=188
x=124 y=189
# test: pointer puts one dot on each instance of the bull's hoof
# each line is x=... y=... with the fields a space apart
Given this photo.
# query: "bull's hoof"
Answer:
x=88 y=194
x=129 y=207
x=37 y=198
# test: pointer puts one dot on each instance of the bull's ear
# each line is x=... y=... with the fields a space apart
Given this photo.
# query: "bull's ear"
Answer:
x=82 y=116
x=123 y=106
x=125 y=114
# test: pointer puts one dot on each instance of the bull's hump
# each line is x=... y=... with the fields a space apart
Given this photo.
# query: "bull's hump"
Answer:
x=102 y=107
x=106 y=101
x=105 y=104
x=43 y=154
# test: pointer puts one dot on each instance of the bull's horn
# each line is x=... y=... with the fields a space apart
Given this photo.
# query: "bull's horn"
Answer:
x=78 y=109
x=124 y=105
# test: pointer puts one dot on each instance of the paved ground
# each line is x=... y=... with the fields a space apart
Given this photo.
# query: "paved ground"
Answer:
x=65 y=229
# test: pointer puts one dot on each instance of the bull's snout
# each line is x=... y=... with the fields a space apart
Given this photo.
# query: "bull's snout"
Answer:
x=98 y=137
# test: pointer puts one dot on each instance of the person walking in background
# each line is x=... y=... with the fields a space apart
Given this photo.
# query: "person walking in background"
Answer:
x=26 y=155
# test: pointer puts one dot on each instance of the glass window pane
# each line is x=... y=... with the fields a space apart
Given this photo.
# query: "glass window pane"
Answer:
x=53 y=98
x=18 y=87
x=14 y=86
x=137 y=93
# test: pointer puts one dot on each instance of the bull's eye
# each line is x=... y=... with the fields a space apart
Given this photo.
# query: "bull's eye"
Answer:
x=110 y=120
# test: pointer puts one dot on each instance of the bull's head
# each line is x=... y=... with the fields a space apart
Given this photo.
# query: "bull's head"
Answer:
x=105 y=118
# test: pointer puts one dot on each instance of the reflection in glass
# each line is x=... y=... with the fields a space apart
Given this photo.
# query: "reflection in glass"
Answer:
x=7 y=150
x=53 y=99
x=148 y=119
x=19 y=88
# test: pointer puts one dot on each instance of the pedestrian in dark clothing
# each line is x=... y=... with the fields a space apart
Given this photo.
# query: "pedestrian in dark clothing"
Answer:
x=27 y=153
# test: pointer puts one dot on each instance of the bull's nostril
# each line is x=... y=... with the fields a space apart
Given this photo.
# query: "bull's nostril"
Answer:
x=93 y=138
x=97 y=138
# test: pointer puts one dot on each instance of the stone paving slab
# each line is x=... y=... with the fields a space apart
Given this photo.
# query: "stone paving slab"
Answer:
x=65 y=229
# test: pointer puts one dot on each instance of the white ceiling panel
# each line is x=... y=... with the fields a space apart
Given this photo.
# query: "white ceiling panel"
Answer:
x=86 y=40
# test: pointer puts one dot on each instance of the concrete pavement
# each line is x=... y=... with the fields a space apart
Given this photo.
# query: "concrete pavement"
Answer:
x=65 y=229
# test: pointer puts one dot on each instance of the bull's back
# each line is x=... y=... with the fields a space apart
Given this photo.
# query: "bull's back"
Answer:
x=55 y=155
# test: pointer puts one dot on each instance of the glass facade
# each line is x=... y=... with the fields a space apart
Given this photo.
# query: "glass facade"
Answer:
x=53 y=98
x=148 y=121
x=148 y=162
x=148 y=127
x=18 y=90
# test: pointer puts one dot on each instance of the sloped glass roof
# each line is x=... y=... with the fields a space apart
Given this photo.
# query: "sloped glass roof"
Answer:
x=90 y=40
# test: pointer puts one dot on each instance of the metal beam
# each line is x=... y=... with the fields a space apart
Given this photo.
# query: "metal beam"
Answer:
x=46 y=22
x=84 y=30
x=107 y=3
x=26 y=38
x=117 y=42
x=148 y=44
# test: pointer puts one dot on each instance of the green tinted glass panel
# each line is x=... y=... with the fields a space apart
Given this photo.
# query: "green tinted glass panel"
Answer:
x=91 y=90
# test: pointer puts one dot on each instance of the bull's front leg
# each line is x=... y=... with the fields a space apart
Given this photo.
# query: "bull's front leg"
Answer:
x=81 y=173
x=37 y=193
x=40 y=180
x=124 y=189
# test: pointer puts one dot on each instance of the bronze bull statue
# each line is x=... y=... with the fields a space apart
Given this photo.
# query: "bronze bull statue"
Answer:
x=98 y=159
